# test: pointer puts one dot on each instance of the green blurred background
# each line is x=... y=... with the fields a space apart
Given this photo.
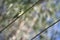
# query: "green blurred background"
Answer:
x=32 y=22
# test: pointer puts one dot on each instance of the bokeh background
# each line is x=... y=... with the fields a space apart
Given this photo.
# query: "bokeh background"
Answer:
x=39 y=17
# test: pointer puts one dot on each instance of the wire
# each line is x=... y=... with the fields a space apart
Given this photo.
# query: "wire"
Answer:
x=21 y=15
x=24 y=13
x=46 y=29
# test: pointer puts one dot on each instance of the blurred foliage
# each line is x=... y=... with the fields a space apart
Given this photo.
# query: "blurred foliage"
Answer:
x=43 y=11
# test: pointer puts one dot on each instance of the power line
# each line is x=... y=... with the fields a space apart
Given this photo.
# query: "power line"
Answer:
x=24 y=13
x=21 y=15
x=46 y=29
